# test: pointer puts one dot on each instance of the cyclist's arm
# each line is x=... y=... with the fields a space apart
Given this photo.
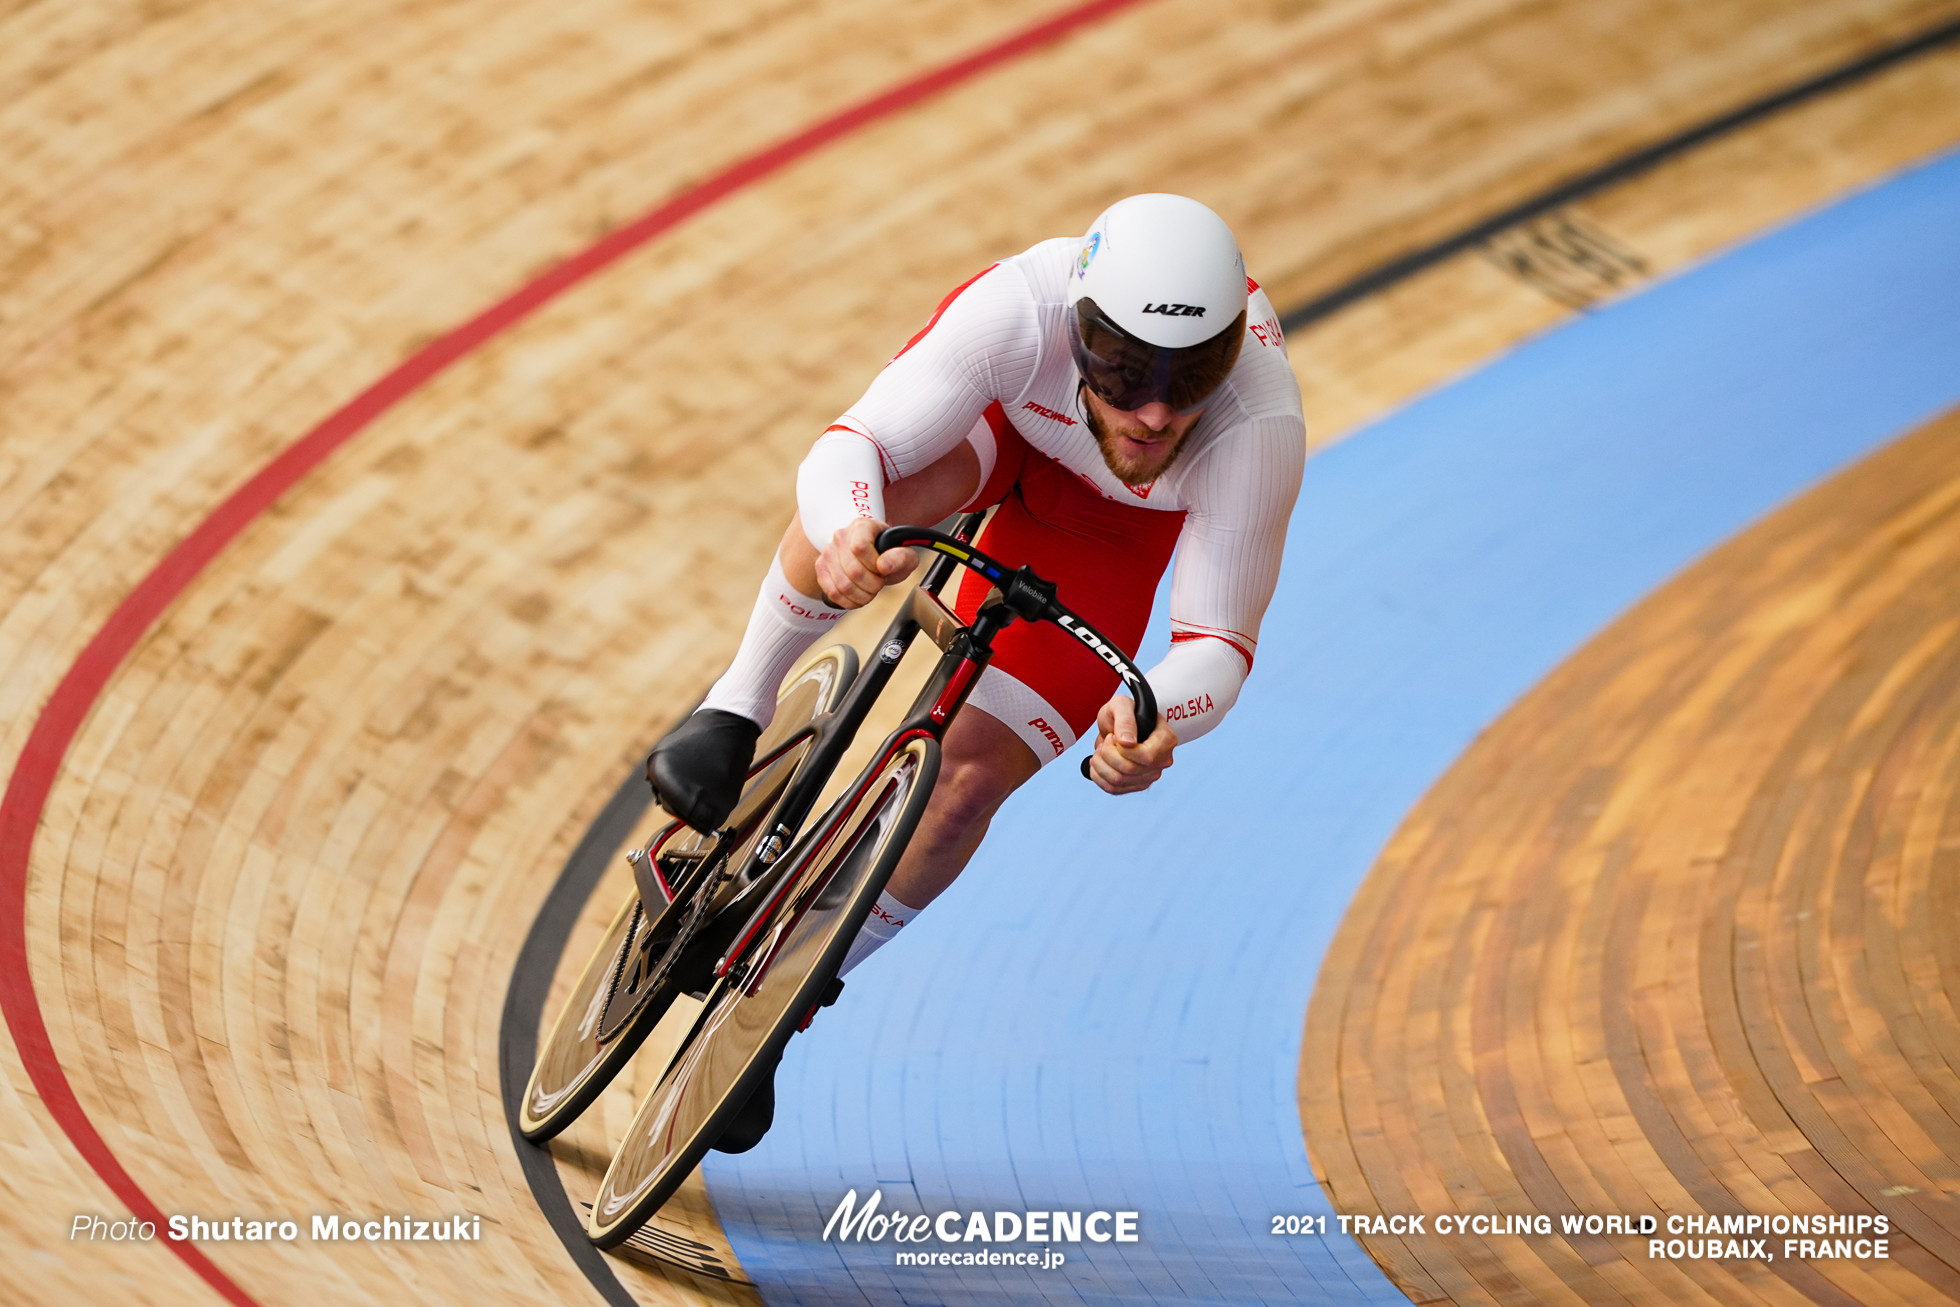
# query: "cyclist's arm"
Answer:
x=1228 y=558
x=982 y=345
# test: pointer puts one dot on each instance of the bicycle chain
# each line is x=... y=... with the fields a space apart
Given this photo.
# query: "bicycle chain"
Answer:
x=697 y=916
x=625 y=952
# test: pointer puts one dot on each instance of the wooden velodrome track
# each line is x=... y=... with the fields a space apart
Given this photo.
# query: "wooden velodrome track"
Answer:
x=281 y=872
x=1675 y=935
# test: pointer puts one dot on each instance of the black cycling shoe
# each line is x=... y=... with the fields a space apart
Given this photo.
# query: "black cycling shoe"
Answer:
x=697 y=771
x=759 y=1113
x=755 y=1118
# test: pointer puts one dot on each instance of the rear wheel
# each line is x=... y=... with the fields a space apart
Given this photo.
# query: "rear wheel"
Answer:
x=838 y=870
x=629 y=981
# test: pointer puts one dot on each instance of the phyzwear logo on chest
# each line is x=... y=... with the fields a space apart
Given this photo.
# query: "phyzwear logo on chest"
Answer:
x=1049 y=413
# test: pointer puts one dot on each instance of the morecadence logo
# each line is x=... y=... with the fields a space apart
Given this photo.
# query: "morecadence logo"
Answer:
x=851 y=1223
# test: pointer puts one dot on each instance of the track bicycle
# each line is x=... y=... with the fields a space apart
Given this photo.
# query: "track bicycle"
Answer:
x=691 y=887
x=755 y=919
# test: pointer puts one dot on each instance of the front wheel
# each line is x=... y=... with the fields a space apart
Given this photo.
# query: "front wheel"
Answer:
x=840 y=868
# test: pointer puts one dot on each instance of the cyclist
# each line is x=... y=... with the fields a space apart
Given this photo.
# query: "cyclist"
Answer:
x=1117 y=396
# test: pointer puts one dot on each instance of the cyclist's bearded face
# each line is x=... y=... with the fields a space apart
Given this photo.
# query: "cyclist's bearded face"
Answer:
x=1137 y=447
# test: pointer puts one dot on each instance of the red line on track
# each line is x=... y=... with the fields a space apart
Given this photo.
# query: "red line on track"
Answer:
x=75 y=696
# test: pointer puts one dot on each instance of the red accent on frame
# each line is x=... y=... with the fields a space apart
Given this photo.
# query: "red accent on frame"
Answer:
x=753 y=981
x=74 y=697
x=653 y=853
x=955 y=687
x=789 y=881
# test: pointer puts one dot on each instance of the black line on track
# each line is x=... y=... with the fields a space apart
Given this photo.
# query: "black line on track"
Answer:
x=1618 y=170
x=537 y=960
x=530 y=984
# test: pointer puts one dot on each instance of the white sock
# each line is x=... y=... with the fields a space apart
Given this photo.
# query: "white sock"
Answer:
x=886 y=918
x=785 y=622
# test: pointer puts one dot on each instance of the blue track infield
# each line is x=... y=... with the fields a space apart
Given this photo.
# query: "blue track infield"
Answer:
x=1105 y=1012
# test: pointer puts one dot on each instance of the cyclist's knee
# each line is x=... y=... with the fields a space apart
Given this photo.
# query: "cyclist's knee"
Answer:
x=798 y=558
x=981 y=763
x=970 y=790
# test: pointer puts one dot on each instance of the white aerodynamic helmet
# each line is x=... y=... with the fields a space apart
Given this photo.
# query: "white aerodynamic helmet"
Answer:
x=1157 y=303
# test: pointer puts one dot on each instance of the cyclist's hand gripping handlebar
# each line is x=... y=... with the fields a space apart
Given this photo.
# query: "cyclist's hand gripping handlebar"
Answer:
x=1032 y=598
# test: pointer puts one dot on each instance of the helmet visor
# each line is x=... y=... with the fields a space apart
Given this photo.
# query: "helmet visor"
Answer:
x=1127 y=373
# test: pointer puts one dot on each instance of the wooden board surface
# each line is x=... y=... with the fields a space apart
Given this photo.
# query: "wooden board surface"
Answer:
x=281 y=881
x=1674 y=936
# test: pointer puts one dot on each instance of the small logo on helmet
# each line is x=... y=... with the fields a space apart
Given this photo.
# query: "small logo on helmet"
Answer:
x=1089 y=249
x=1176 y=310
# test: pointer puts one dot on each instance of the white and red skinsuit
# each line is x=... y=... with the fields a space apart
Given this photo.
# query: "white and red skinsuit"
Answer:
x=993 y=368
